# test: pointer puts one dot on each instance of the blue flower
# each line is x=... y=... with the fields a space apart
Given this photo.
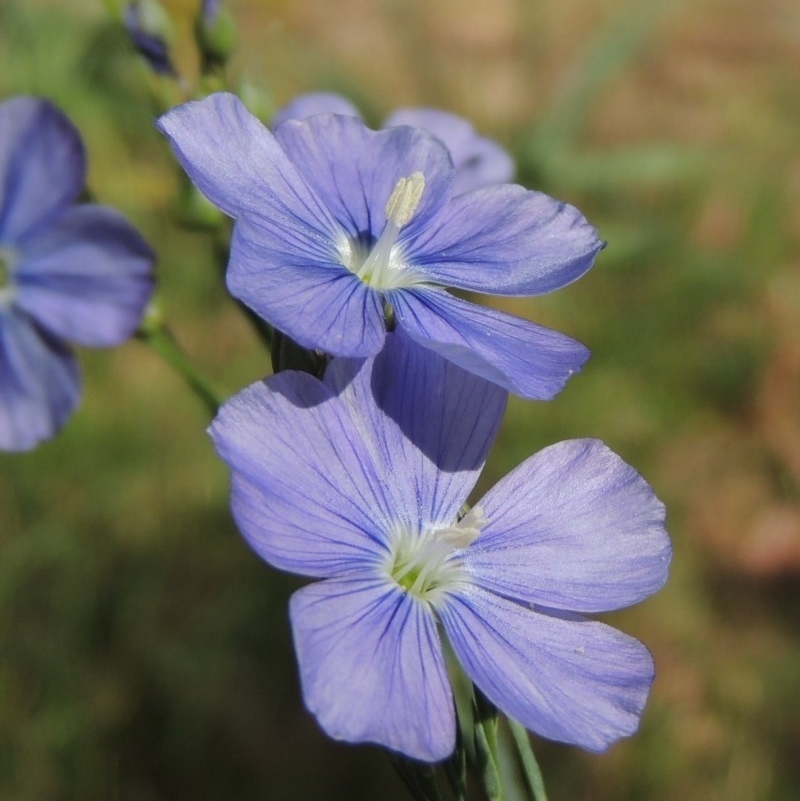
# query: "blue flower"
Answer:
x=478 y=161
x=339 y=227
x=77 y=273
x=358 y=481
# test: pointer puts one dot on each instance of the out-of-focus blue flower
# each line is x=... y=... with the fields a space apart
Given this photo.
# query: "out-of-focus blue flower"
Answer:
x=478 y=161
x=359 y=481
x=339 y=227
x=77 y=273
x=147 y=25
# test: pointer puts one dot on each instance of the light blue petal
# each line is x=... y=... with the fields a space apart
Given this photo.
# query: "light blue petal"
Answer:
x=42 y=165
x=572 y=528
x=447 y=420
x=572 y=680
x=86 y=276
x=355 y=170
x=39 y=383
x=522 y=357
x=297 y=286
x=478 y=161
x=306 y=493
x=504 y=240
x=324 y=477
x=314 y=103
x=449 y=417
x=240 y=167
x=371 y=667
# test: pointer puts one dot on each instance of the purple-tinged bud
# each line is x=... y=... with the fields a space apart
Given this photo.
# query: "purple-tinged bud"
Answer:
x=150 y=30
x=216 y=34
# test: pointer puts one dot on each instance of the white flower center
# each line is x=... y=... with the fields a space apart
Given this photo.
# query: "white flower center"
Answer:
x=428 y=564
x=382 y=265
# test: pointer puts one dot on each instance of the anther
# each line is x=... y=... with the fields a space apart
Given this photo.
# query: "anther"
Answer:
x=405 y=198
x=466 y=530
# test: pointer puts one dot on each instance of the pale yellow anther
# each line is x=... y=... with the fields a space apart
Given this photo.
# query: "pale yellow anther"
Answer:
x=405 y=198
x=464 y=532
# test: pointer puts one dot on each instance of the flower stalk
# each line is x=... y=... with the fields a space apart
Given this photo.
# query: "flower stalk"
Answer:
x=157 y=336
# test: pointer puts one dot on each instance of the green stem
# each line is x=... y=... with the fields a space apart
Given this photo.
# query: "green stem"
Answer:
x=160 y=340
x=530 y=767
x=485 y=722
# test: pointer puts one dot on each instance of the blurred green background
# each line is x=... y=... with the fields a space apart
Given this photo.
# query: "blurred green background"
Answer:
x=144 y=650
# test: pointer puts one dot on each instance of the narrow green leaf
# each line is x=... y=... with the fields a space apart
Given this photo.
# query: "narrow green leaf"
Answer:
x=530 y=767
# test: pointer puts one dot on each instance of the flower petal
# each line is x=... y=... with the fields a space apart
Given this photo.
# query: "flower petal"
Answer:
x=42 y=164
x=449 y=417
x=505 y=240
x=312 y=461
x=371 y=667
x=305 y=493
x=355 y=170
x=240 y=167
x=294 y=284
x=39 y=383
x=429 y=425
x=314 y=103
x=522 y=357
x=86 y=277
x=572 y=680
x=575 y=528
x=478 y=161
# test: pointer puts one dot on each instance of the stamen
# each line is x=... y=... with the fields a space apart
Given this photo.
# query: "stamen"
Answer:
x=383 y=267
x=405 y=198
x=464 y=532
x=425 y=564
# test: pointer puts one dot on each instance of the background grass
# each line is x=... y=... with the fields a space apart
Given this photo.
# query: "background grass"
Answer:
x=144 y=650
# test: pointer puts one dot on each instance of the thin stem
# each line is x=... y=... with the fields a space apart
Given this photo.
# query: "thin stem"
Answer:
x=530 y=767
x=156 y=335
x=485 y=722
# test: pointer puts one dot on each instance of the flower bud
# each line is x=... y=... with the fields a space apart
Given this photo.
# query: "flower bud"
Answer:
x=150 y=30
x=216 y=34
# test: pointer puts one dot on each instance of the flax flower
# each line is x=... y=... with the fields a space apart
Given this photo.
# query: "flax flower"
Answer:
x=342 y=232
x=358 y=481
x=68 y=273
